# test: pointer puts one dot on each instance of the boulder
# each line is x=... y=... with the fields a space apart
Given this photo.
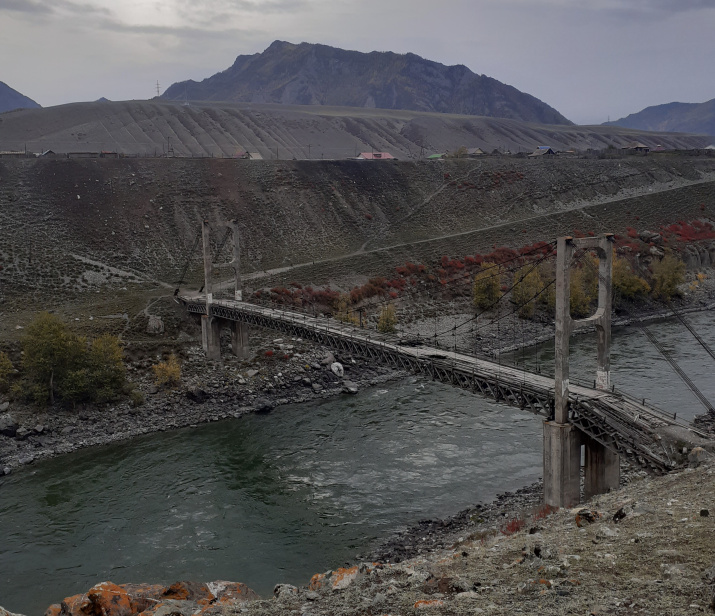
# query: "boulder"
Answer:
x=155 y=325
x=4 y=406
x=337 y=369
x=263 y=405
x=8 y=426
x=328 y=360
x=349 y=387
x=196 y=394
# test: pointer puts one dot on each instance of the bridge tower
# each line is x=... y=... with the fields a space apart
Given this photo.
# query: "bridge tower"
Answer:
x=211 y=325
x=562 y=440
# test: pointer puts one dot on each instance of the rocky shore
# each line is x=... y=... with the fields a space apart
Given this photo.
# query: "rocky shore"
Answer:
x=645 y=549
x=281 y=372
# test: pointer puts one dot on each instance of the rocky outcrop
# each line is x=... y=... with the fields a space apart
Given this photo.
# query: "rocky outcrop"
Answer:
x=108 y=599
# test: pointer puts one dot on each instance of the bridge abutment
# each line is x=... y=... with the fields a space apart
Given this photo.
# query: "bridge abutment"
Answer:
x=562 y=464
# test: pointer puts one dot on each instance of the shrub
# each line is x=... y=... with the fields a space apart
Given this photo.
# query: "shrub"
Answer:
x=388 y=320
x=6 y=371
x=626 y=282
x=486 y=289
x=513 y=526
x=668 y=273
x=527 y=284
x=167 y=373
x=136 y=397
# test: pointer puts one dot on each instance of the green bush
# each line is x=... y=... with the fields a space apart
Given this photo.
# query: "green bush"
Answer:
x=486 y=289
x=668 y=273
x=60 y=364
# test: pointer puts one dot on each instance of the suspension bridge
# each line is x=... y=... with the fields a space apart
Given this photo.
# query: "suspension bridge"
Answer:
x=609 y=424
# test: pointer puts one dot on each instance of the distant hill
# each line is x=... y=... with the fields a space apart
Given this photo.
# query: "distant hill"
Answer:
x=673 y=117
x=308 y=74
x=11 y=99
x=294 y=131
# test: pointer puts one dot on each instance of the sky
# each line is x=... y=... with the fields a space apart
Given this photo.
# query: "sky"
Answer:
x=592 y=60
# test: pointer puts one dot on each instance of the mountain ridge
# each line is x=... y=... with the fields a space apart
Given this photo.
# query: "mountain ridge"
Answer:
x=315 y=74
x=11 y=99
x=698 y=118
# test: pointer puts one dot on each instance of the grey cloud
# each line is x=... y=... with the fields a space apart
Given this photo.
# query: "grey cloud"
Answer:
x=25 y=6
x=36 y=7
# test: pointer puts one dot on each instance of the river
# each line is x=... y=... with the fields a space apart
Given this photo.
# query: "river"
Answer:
x=277 y=497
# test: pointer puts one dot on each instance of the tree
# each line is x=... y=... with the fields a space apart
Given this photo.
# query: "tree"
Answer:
x=527 y=285
x=60 y=363
x=486 y=289
x=583 y=291
x=668 y=273
x=343 y=312
x=388 y=320
x=107 y=374
x=626 y=282
x=49 y=353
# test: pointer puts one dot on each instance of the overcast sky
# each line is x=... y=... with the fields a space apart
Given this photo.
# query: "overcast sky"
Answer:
x=590 y=59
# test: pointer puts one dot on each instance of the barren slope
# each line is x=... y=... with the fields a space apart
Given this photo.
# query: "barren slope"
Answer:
x=72 y=228
x=150 y=128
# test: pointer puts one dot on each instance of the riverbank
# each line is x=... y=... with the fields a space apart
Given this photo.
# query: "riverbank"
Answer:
x=641 y=550
x=282 y=371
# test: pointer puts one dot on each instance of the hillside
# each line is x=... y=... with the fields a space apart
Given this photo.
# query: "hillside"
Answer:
x=673 y=117
x=11 y=99
x=71 y=229
x=151 y=128
x=309 y=74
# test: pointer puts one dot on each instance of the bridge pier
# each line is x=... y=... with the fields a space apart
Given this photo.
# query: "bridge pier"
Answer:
x=211 y=336
x=562 y=464
x=239 y=339
x=602 y=468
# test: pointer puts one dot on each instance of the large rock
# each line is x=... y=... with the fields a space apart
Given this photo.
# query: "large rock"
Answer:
x=337 y=369
x=179 y=599
x=155 y=325
x=8 y=426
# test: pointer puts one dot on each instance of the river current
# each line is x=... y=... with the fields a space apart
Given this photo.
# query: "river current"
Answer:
x=277 y=497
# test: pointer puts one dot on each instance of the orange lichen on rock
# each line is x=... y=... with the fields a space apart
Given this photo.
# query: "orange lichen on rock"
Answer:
x=316 y=582
x=343 y=577
x=231 y=592
x=423 y=603
x=54 y=610
x=110 y=599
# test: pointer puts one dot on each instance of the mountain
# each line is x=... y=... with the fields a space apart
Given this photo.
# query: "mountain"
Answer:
x=308 y=74
x=673 y=117
x=11 y=99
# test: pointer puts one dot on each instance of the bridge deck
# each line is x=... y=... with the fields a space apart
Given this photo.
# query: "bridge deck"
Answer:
x=619 y=422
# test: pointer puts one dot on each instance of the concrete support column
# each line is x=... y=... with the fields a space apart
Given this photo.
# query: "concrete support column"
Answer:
x=602 y=469
x=562 y=464
x=211 y=336
x=239 y=339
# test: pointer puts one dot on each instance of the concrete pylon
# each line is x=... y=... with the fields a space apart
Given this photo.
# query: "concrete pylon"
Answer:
x=602 y=468
x=561 y=462
x=239 y=331
x=211 y=336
